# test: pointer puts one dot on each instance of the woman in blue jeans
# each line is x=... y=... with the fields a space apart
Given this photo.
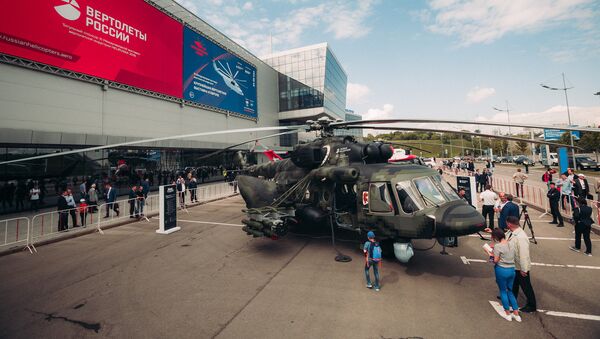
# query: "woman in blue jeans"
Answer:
x=504 y=259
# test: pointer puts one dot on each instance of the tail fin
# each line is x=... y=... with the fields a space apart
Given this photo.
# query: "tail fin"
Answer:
x=272 y=155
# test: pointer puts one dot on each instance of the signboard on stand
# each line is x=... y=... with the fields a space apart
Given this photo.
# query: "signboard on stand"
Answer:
x=167 y=209
x=468 y=184
x=545 y=155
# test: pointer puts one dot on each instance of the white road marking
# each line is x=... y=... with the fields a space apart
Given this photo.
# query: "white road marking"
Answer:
x=211 y=223
x=467 y=261
x=540 y=238
x=500 y=310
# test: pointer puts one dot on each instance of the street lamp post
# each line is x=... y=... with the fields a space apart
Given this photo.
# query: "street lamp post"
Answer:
x=565 y=88
x=508 y=118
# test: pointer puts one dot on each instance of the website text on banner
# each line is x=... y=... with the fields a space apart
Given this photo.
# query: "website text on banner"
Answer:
x=129 y=42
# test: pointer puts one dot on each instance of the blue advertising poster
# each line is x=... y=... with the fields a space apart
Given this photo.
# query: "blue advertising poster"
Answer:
x=215 y=77
x=555 y=134
x=563 y=159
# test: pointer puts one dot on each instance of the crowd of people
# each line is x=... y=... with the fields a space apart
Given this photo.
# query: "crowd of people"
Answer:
x=509 y=250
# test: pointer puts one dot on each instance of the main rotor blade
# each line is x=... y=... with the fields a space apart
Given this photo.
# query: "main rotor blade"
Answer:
x=242 y=143
x=465 y=122
x=181 y=136
x=431 y=143
x=409 y=146
x=458 y=132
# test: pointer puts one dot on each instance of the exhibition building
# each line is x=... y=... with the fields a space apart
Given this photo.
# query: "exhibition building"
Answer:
x=77 y=74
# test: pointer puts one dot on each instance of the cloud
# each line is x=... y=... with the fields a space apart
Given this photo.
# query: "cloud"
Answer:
x=248 y=6
x=356 y=93
x=479 y=21
x=379 y=113
x=346 y=22
x=477 y=94
x=260 y=29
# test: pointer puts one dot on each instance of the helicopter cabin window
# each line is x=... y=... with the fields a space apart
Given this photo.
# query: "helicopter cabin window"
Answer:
x=380 y=200
x=407 y=196
x=448 y=190
x=429 y=192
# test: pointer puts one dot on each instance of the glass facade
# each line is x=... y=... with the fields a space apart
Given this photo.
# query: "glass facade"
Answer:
x=310 y=77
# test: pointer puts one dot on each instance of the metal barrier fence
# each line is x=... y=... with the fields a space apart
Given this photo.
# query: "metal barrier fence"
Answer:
x=122 y=210
x=17 y=231
x=48 y=225
x=44 y=226
x=206 y=193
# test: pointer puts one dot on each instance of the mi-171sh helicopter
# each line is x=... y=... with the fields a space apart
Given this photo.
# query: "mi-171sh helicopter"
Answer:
x=350 y=184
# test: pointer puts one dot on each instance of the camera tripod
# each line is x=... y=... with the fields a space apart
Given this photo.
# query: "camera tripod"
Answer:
x=527 y=222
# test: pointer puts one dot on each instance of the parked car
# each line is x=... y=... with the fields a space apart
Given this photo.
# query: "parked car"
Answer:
x=522 y=160
x=583 y=162
x=429 y=162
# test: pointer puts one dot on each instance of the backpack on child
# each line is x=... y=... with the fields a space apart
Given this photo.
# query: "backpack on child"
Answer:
x=374 y=251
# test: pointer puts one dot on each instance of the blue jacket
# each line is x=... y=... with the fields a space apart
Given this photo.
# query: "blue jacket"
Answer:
x=111 y=195
x=510 y=208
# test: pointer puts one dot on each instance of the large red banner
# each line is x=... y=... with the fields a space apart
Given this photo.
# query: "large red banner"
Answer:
x=129 y=42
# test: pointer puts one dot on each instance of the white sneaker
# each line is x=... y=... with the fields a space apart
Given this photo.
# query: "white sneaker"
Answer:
x=572 y=248
x=516 y=317
x=507 y=317
x=369 y=286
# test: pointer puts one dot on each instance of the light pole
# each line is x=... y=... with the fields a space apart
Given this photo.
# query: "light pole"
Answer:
x=508 y=118
x=565 y=88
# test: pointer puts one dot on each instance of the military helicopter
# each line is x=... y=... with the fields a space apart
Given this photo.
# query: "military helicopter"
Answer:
x=350 y=183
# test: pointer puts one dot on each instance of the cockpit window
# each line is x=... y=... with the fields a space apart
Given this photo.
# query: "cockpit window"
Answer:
x=407 y=195
x=448 y=190
x=429 y=192
x=380 y=200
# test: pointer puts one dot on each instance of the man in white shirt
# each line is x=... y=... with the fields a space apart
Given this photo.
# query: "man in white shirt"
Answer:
x=489 y=199
x=520 y=242
x=519 y=178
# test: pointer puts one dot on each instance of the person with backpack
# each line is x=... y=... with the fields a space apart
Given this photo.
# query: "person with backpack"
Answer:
x=372 y=252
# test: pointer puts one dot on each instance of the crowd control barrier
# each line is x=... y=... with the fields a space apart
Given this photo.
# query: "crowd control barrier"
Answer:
x=46 y=225
x=206 y=193
x=27 y=232
x=17 y=232
x=150 y=206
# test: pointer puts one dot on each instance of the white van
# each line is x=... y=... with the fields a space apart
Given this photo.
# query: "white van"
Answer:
x=553 y=159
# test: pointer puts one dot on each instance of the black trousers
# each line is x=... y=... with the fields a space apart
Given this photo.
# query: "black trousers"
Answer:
x=519 y=186
x=488 y=212
x=581 y=229
x=525 y=283
x=73 y=214
x=131 y=207
x=556 y=216
x=63 y=220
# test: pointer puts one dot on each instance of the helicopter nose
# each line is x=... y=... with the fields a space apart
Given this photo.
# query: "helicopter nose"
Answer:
x=457 y=218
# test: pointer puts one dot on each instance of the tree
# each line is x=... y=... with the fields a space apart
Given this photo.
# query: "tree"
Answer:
x=565 y=139
x=522 y=146
x=590 y=142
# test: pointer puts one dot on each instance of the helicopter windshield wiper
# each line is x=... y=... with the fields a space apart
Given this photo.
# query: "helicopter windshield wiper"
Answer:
x=426 y=199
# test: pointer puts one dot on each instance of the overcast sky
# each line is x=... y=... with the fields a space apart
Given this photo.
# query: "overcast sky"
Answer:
x=438 y=59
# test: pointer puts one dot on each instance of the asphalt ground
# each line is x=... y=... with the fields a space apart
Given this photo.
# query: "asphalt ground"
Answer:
x=212 y=280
